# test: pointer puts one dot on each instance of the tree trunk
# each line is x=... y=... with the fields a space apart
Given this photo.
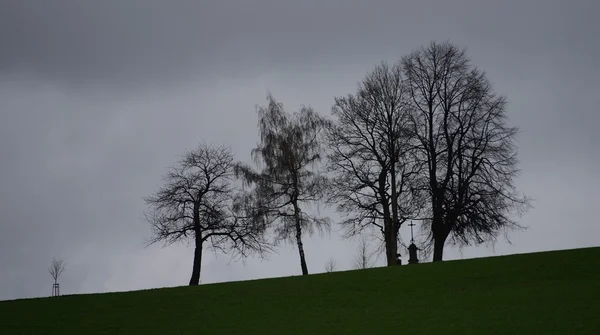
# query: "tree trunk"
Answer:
x=439 y=240
x=395 y=225
x=391 y=248
x=195 y=280
x=389 y=234
x=301 y=250
x=391 y=241
x=299 y=241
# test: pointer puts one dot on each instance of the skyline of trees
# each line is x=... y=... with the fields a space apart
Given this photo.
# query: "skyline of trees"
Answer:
x=424 y=139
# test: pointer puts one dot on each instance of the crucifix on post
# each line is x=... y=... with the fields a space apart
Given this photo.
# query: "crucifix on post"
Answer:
x=412 y=248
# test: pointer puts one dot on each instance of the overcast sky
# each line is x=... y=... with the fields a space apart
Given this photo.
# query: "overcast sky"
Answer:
x=98 y=98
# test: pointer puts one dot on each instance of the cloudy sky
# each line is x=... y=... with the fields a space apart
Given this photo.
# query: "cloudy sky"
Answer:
x=98 y=98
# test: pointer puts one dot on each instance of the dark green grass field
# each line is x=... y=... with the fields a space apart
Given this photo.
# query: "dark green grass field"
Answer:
x=543 y=293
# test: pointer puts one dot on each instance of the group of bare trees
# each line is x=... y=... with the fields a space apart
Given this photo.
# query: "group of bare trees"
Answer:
x=425 y=139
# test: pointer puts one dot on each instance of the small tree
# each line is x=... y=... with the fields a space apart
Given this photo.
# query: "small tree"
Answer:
x=289 y=149
x=363 y=259
x=330 y=265
x=56 y=269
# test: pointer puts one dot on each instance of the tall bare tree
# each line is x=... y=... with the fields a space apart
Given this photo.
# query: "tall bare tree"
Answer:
x=57 y=267
x=289 y=181
x=466 y=146
x=363 y=258
x=198 y=202
x=372 y=158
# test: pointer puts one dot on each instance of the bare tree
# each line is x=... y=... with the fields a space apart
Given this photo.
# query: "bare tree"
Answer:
x=363 y=259
x=372 y=158
x=289 y=150
x=330 y=265
x=198 y=202
x=57 y=267
x=466 y=146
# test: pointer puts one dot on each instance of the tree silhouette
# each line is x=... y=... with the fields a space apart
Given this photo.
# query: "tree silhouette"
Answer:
x=289 y=182
x=198 y=201
x=57 y=267
x=363 y=259
x=465 y=145
x=330 y=265
x=372 y=159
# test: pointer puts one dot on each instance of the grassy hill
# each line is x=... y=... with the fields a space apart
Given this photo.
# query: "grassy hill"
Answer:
x=543 y=293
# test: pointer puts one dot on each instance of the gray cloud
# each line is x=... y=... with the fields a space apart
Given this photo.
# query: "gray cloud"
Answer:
x=97 y=98
x=152 y=41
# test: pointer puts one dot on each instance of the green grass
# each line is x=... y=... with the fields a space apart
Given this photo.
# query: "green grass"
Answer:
x=543 y=293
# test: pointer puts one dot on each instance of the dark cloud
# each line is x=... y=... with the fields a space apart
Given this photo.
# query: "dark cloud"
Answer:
x=97 y=98
x=141 y=41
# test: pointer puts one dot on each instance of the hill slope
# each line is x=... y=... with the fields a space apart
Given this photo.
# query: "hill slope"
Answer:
x=543 y=293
